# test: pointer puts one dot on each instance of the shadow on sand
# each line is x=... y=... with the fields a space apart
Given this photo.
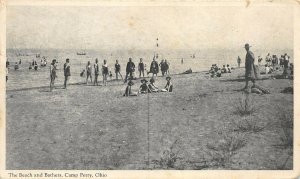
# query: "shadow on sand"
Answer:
x=242 y=79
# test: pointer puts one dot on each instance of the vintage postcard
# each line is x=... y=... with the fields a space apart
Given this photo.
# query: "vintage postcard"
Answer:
x=149 y=89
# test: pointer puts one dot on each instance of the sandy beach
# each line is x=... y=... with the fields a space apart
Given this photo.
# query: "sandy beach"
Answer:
x=88 y=127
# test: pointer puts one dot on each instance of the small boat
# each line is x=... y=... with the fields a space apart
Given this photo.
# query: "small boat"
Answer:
x=81 y=53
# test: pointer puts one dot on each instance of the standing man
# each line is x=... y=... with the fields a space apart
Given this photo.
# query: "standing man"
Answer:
x=285 y=65
x=7 y=67
x=104 y=72
x=130 y=67
x=88 y=72
x=249 y=67
x=117 y=69
x=167 y=66
x=268 y=59
x=67 y=73
x=162 y=67
x=52 y=73
x=154 y=67
x=96 y=69
x=239 y=61
x=141 y=68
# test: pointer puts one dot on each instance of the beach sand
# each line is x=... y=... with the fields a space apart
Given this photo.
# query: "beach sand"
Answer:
x=87 y=127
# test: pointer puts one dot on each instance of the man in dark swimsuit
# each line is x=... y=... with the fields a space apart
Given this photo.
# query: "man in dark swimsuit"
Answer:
x=129 y=69
x=67 y=73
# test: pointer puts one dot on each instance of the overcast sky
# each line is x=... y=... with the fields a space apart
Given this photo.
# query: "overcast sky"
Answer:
x=138 y=27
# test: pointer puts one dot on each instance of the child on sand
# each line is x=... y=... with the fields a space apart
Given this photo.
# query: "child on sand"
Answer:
x=224 y=69
x=144 y=87
x=228 y=69
x=169 y=85
x=152 y=86
x=128 y=91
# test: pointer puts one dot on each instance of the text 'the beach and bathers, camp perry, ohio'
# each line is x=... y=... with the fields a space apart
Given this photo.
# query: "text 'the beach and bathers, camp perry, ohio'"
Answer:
x=55 y=175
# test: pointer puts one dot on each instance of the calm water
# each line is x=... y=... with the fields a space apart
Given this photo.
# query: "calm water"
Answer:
x=25 y=78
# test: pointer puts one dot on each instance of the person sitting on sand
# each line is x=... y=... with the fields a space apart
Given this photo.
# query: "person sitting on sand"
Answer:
x=228 y=69
x=35 y=66
x=219 y=72
x=267 y=69
x=128 y=91
x=82 y=73
x=169 y=85
x=152 y=86
x=144 y=87
x=53 y=75
x=88 y=72
x=16 y=66
x=224 y=69
x=213 y=70
x=259 y=60
x=110 y=75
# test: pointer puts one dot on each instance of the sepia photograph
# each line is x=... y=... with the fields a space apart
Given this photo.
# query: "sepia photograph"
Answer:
x=150 y=87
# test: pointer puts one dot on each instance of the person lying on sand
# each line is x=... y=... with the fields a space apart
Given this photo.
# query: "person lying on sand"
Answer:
x=268 y=69
x=152 y=86
x=144 y=87
x=169 y=85
x=219 y=73
x=188 y=71
x=128 y=91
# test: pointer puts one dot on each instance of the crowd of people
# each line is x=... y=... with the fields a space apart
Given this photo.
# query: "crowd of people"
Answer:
x=215 y=71
x=271 y=64
x=130 y=69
